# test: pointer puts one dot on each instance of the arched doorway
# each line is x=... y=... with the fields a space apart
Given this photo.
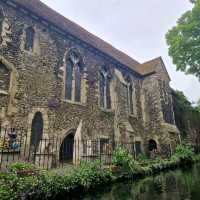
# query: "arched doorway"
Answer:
x=36 y=133
x=67 y=149
x=152 y=145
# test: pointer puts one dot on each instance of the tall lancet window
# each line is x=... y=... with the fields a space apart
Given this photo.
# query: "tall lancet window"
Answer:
x=1 y=24
x=130 y=98
x=130 y=91
x=73 y=76
x=68 y=80
x=105 y=99
x=29 y=41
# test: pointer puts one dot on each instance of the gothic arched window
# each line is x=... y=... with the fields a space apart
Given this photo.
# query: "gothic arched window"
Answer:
x=130 y=98
x=29 y=41
x=68 y=80
x=105 y=99
x=1 y=25
x=73 y=69
x=130 y=94
x=4 y=77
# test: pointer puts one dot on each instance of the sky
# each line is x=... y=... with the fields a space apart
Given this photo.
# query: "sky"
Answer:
x=136 y=27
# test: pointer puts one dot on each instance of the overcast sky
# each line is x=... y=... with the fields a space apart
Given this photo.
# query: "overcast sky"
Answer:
x=136 y=27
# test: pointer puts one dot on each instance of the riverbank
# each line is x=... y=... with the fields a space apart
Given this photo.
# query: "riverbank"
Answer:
x=24 y=181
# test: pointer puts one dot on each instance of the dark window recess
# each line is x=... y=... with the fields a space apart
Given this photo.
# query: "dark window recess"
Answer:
x=68 y=80
x=29 y=43
x=78 y=84
x=108 y=99
x=1 y=26
x=131 y=99
x=152 y=145
x=36 y=131
x=138 y=149
x=4 y=77
x=102 y=94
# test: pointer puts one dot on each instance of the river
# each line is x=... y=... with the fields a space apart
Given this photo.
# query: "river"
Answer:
x=181 y=184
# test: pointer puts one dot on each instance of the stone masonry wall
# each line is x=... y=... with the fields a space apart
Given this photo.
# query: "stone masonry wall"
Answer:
x=40 y=81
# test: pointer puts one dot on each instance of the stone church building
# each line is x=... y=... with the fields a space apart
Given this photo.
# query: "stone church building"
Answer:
x=57 y=79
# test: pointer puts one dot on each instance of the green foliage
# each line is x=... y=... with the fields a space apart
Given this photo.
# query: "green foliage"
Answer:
x=123 y=159
x=50 y=185
x=184 y=39
x=183 y=152
x=187 y=117
x=19 y=166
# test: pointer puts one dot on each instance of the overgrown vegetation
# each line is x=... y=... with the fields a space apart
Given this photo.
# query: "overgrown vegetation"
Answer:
x=53 y=185
x=187 y=118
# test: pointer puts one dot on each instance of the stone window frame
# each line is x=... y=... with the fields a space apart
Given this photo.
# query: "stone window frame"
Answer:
x=131 y=100
x=36 y=41
x=29 y=38
x=83 y=81
x=45 y=135
x=12 y=86
x=104 y=71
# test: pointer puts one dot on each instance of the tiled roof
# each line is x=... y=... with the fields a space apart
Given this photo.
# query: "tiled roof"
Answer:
x=149 y=66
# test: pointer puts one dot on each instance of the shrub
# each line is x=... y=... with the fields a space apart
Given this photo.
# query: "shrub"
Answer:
x=123 y=159
x=184 y=153
x=21 y=166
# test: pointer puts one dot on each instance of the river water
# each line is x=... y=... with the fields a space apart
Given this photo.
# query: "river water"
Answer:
x=174 y=185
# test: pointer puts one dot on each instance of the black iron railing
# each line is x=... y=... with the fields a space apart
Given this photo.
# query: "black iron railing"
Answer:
x=55 y=152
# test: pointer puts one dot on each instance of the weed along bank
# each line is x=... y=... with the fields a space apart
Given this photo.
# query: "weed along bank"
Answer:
x=67 y=95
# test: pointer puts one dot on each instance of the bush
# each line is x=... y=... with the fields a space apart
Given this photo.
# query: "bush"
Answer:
x=21 y=166
x=50 y=185
x=123 y=159
x=184 y=153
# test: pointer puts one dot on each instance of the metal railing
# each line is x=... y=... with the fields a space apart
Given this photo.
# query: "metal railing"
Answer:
x=55 y=152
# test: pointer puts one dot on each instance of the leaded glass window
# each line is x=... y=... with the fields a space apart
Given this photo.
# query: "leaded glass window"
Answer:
x=1 y=25
x=73 y=76
x=4 y=77
x=29 y=43
x=105 y=98
x=68 y=80
x=77 y=83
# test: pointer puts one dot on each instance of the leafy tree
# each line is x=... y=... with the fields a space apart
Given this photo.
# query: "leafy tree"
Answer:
x=184 y=41
x=187 y=117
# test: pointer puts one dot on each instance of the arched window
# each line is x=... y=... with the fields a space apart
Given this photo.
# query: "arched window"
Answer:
x=130 y=91
x=73 y=69
x=29 y=42
x=1 y=25
x=130 y=97
x=68 y=80
x=4 y=78
x=105 y=99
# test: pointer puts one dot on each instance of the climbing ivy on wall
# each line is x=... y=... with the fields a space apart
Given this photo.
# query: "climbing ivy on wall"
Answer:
x=187 y=117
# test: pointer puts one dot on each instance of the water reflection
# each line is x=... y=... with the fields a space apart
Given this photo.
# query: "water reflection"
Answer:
x=174 y=185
